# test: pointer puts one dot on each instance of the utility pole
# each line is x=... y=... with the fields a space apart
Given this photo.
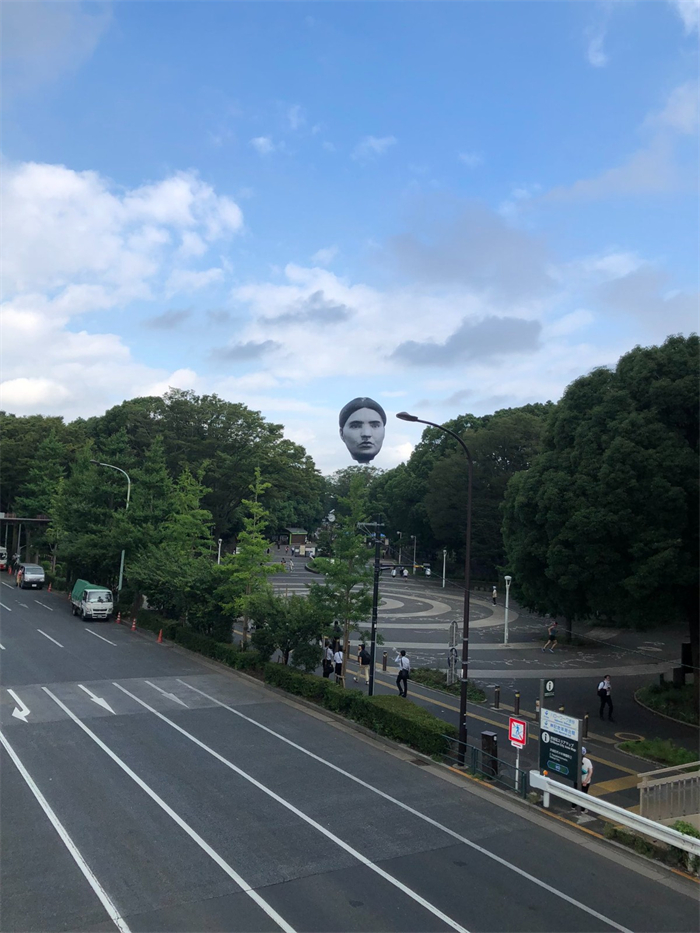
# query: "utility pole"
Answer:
x=377 y=525
x=444 y=561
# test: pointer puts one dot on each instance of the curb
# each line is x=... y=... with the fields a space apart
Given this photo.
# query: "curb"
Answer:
x=655 y=712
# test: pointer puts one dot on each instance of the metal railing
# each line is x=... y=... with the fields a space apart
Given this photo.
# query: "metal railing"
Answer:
x=502 y=773
x=617 y=814
x=668 y=793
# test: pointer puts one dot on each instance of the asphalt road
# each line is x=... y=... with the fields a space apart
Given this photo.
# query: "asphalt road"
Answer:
x=146 y=789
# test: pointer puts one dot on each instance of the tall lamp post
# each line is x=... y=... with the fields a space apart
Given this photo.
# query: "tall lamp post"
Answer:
x=508 y=580
x=404 y=416
x=444 y=563
x=399 y=534
x=413 y=538
x=128 y=496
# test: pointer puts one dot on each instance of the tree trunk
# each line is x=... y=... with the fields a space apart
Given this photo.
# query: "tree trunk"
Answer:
x=694 y=630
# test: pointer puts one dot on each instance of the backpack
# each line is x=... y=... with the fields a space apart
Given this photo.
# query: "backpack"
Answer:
x=602 y=692
x=365 y=656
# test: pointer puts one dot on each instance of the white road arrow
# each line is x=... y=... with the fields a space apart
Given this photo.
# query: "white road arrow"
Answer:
x=23 y=710
x=100 y=702
x=171 y=696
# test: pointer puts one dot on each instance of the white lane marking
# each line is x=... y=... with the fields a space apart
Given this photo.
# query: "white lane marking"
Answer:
x=171 y=696
x=5 y=607
x=102 y=637
x=222 y=863
x=99 y=700
x=50 y=638
x=44 y=605
x=102 y=895
x=422 y=816
x=23 y=710
x=9 y=585
x=2 y=647
x=302 y=816
x=25 y=605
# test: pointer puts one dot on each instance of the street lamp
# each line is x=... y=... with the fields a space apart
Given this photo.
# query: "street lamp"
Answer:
x=508 y=579
x=404 y=416
x=218 y=556
x=444 y=562
x=413 y=538
x=399 y=534
x=128 y=496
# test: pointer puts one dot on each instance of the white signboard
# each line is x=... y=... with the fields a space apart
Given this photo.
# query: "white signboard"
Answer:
x=559 y=724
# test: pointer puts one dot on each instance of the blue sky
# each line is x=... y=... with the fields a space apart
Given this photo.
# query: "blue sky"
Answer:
x=450 y=207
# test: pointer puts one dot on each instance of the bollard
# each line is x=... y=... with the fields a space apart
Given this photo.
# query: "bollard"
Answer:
x=561 y=708
x=119 y=618
x=384 y=656
x=537 y=711
x=160 y=637
x=497 y=698
x=516 y=704
x=585 y=726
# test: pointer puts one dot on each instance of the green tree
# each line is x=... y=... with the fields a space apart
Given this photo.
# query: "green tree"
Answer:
x=345 y=596
x=291 y=625
x=247 y=570
x=605 y=522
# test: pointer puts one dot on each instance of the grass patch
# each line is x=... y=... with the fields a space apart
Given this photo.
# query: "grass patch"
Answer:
x=677 y=702
x=435 y=678
x=676 y=858
x=662 y=750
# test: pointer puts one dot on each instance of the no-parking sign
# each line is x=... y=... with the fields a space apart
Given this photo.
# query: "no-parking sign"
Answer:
x=517 y=732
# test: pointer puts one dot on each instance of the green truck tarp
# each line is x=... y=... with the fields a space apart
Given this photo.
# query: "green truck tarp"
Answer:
x=81 y=586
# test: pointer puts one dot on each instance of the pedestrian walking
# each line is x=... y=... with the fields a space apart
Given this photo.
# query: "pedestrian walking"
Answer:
x=404 y=671
x=286 y=549
x=327 y=659
x=405 y=571
x=291 y=565
x=363 y=663
x=494 y=595
x=338 y=661
x=18 y=577
x=393 y=572
x=586 y=776
x=551 y=642
x=605 y=697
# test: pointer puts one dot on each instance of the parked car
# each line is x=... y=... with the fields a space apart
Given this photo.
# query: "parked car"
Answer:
x=33 y=576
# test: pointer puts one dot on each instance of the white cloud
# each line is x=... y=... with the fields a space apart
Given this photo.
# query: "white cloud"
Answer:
x=296 y=117
x=681 y=110
x=369 y=147
x=689 y=12
x=188 y=280
x=471 y=159
x=328 y=146
x=42 y=41
x=325 y=256
x=263 y=145
x=595 y=52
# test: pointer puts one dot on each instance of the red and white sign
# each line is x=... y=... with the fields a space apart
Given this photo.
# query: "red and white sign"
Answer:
x=517 y=732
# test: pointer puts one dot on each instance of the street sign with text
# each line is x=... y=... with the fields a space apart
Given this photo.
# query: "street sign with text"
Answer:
x=560 y=744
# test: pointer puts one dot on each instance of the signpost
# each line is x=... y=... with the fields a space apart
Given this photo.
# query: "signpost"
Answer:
x=546 y=690
x=560 y=745
x=517 y=734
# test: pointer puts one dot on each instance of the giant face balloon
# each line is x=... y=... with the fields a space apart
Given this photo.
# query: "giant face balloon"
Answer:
x=362 y=425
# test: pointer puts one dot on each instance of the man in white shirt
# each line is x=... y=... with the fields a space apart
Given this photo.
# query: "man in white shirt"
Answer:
x=402 y=677
x=338 y=661
x=605 y=697
x=327 y=660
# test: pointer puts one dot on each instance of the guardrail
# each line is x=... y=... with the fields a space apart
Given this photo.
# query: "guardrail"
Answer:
x=669 y=793
x=619 y=815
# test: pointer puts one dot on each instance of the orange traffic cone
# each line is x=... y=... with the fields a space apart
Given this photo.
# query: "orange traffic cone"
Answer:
x=49 y=589
x=133 y=625
x=10 y=571
x=119 y=618
x=160 y=637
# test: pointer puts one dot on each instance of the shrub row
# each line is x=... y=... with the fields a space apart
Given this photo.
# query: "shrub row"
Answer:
x=436 y=678
x=676 y=858
x=676 y=702
x=390 y=716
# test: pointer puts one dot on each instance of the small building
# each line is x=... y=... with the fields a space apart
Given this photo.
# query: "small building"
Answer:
x=294 y=536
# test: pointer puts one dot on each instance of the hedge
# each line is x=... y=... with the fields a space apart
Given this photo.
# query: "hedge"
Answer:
x=391 y=716
x=662 y=750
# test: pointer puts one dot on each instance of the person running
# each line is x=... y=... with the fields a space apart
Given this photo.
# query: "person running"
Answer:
x=363 y=663
x=551 y=636
x=402 y=676
x=605 y=697
x=338 y=661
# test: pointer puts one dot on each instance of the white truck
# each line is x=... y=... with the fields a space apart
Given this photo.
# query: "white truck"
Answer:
x=91 y=602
